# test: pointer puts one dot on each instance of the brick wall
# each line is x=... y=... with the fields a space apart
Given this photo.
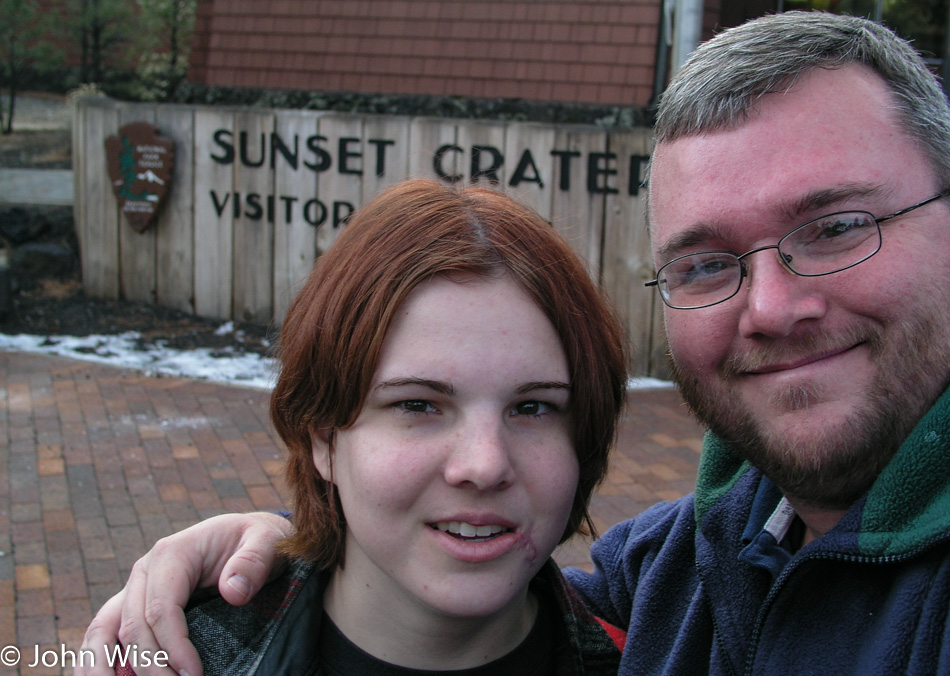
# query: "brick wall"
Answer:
x=585 y=51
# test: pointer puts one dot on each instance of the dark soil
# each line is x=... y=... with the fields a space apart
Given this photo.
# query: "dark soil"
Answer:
x=49 y=301
x=63 y=310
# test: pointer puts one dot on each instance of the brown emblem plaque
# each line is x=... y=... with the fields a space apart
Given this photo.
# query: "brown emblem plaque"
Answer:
x=140 y=168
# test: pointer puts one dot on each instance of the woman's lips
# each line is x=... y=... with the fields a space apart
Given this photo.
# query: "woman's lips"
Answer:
x=468 y=531
x=475 y=540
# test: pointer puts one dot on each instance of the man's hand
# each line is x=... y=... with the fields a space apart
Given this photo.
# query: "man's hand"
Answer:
x=234 y=551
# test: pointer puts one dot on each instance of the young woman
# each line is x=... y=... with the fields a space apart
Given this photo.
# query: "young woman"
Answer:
x=450 y=383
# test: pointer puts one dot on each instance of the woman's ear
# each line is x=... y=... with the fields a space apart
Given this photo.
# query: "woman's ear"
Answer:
x=321 y=444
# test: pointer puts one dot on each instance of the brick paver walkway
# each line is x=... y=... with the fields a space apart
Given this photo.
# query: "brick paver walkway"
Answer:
x=96 y=463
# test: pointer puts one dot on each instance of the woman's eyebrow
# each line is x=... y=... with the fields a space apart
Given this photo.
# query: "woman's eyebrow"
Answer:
x=543 y=385
x=436 y=385
x=449 y=389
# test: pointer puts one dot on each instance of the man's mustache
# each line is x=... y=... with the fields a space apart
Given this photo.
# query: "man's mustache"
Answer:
x=794 y=349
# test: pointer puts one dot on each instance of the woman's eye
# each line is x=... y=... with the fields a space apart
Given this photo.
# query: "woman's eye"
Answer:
x=533 y=408
x=416 y=406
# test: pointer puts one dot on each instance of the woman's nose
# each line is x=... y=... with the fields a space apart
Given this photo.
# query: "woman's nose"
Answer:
x=480 y=456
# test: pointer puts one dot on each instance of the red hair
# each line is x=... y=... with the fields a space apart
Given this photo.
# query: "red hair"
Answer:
x=330 y=341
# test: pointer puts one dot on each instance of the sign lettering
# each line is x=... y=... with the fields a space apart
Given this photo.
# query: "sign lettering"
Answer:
x=348 y=155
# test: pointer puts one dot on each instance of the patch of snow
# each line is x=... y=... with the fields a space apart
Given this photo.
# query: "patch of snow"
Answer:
x=220 y=366
x=123 y=350
x=648 y=384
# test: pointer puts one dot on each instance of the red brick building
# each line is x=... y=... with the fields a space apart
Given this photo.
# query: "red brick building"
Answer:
x=582 y=51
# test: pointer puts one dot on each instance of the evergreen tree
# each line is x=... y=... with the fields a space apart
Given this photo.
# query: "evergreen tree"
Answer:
x=167 y=29
x=22 y=47
x=103 y=31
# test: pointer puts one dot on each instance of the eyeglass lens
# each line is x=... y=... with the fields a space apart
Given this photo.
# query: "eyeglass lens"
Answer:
x=826 y=245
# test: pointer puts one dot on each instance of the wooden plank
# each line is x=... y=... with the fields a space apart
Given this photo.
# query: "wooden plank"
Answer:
x=426 y=136
x=36 y=186
x=100 y=211
x=393 y=158
x=254 y=228
x=531 y=165
x=577 y=213
x=175 y=230
x=295 y=239
x=137 y=250
x=214 y=219
x=339 y=190
x=627 y=262
x=79 y=106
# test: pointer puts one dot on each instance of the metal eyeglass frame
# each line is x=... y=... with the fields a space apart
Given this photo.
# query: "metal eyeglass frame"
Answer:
x=743 y=273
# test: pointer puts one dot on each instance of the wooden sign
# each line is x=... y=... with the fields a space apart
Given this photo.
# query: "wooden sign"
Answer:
x=260 y=194
x=140 y=168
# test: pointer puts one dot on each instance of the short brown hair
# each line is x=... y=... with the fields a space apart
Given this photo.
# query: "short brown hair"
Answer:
x=726 y=76
x=330 y=341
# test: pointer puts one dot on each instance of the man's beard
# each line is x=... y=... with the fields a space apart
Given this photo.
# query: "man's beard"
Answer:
x=834 y=467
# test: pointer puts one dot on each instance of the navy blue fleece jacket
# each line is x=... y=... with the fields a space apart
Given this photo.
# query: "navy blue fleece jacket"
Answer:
x=704 y=587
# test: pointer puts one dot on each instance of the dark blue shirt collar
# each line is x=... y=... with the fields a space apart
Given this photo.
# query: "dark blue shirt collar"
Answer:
x=766 y=535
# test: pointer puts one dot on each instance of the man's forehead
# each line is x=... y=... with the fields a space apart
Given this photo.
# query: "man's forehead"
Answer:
x=793 y=150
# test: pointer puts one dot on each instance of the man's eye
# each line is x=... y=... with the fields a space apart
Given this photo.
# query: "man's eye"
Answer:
x=840 y=225
x=709 y=267
x=697 y=270
x=836 y=228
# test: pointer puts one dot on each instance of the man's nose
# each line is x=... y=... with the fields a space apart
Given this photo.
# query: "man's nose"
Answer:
x=775 y=298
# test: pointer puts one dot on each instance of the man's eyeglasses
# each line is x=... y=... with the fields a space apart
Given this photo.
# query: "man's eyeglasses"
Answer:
x=822 y=246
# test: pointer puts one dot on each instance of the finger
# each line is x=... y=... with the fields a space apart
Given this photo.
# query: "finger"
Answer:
x=101 y=636
x=153 y=616
x=135 y=633
x=256 y=561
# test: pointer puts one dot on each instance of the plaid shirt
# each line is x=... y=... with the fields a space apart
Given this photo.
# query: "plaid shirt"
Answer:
x=276 y=633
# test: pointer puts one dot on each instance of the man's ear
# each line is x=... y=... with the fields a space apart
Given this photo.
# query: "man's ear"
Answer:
x=321 y=445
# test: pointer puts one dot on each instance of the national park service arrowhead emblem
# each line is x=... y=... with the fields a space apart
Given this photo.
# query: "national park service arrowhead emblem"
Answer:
x=141 y=163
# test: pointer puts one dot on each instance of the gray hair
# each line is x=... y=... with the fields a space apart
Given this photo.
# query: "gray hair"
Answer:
x=718 y=85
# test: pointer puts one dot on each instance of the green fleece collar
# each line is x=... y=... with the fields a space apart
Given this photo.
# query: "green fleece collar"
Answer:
x=906 y=508
x=909 y=504
x=719 y=470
